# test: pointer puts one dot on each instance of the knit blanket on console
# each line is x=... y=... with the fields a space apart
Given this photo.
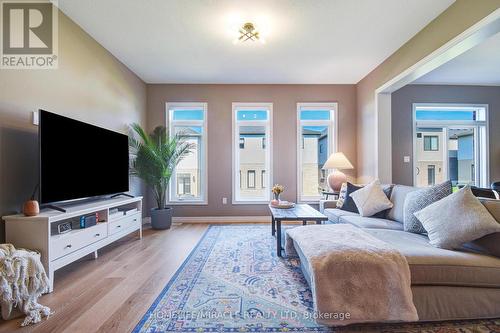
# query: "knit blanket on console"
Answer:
x=22 y=281
x=355 y=277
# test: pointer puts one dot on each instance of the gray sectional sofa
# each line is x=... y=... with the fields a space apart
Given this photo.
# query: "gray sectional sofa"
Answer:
x=446 y=285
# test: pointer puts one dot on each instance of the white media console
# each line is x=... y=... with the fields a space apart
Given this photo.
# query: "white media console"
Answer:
x=40 y=232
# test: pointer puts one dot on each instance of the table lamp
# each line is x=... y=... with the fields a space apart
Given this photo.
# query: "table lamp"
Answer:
x=337 y=161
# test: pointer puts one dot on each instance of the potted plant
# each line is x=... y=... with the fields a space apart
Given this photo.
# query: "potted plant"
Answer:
x=154 y=158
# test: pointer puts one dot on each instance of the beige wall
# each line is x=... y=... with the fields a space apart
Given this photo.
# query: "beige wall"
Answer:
x=285 y=99
x=90 y=85
x=456 y=19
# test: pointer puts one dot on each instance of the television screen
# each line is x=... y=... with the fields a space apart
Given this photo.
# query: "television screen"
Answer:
x=79 y=160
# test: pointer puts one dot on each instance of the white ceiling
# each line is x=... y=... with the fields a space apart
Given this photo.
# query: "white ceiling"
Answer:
x=478 y=66
x=307 y=41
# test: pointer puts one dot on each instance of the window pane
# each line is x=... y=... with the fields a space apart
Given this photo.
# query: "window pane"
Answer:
x=188 y=170
x=461 y=167
x=434 y=143
x=427 y=143
x=252 y=161
x=315 y=115
x=445 y=115
x=431 y=143
x=187 y=114
x=248 y=115
x=314 y=152
x=429 y=157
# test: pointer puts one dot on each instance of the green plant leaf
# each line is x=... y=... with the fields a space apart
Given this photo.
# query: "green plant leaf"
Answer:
x=155 y=156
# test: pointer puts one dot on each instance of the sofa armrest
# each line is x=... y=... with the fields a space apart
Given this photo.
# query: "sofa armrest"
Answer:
x=324 y=204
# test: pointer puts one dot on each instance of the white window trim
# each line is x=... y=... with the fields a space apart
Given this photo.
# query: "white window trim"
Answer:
x=235 y=145
x=204 y=150
x=332 y=146
x=476 y=124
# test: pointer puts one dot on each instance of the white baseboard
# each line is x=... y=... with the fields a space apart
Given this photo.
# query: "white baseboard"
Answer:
x=221 y=219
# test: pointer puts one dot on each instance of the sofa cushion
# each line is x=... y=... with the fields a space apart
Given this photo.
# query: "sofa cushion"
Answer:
x=430 y=265
x=334 y=214
x=420 y=199
x=457 y=219
x=370 y=222
x=398 y=197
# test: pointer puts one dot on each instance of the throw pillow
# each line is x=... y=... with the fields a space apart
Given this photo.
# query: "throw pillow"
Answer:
x=371 y=199
x=341 y=199
x=457 y=219
x=420 y=199
x=349 y=204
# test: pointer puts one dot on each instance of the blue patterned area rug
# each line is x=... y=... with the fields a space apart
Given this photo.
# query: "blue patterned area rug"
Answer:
x=234 y=282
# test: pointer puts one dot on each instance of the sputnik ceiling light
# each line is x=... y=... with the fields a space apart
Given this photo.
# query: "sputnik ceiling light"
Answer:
x=248 y=32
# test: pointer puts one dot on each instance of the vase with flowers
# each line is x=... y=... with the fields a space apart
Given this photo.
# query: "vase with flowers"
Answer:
x=277 y=190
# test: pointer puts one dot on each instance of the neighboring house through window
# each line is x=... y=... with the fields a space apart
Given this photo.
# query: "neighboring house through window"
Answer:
x=316 y=140
x=188 y=182
x=451 y=143
x=252 y=133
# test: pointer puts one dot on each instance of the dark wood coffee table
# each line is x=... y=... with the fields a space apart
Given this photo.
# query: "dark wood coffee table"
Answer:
x=301 y=212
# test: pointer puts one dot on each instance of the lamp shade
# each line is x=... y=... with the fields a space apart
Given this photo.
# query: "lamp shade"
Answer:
x=337 y=161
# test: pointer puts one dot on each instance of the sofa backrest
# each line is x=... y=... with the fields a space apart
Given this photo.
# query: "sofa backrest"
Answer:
x=398 y=197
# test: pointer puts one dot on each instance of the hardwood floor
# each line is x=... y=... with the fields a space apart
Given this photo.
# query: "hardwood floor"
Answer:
x=112 y=293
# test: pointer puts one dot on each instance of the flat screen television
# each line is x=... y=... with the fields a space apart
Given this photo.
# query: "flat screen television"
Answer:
x=79 y=160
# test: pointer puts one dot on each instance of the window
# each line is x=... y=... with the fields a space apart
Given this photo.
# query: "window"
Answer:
x=431 y=143
x=251 y=178
x=188 y=182
x=451 y=143
x=184 y=184
x=252 y=126
x=316 y=140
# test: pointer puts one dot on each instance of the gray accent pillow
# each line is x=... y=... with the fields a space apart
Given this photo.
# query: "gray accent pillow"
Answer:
x=457 y=219
x=420 y=199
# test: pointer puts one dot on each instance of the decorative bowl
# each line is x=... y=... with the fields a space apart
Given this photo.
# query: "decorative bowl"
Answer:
x=283 y=204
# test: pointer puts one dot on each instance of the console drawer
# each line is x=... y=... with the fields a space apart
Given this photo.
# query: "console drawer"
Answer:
x=124 y=223
x=75 y=240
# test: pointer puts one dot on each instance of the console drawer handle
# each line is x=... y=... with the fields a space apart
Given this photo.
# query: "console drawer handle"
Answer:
x=118 y=226
x=97 y=235
x=68 y=246
x=135 y=220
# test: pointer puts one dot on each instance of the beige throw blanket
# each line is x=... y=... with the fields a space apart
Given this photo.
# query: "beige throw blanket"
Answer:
x=355 y=278
x=22 y=281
